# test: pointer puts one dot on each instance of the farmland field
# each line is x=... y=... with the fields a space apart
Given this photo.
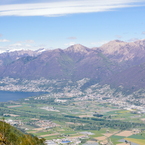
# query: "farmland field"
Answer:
x=102 y=122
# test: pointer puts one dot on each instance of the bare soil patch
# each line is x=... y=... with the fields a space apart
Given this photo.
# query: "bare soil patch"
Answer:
x=70 y=123
x=61 y=130
x=73 y=123
x=123 y=144
x=125 y=133
x=38 y=129
x=101 y=138
x=108 y=134
x=143 y=119
x=91 y=142
x=32 y=131
x=49 y=135
x=104 y=142
x=34 y=119
x=85 y=116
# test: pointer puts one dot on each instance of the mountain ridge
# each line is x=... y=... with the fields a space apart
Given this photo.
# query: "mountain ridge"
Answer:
x=106 y=64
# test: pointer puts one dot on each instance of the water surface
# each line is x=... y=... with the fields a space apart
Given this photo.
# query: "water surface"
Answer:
x=6 y=96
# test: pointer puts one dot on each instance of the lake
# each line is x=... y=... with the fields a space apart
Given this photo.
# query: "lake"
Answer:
x=6 y=96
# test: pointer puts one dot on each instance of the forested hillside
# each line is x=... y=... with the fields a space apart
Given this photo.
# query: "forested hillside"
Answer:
x=9 y=135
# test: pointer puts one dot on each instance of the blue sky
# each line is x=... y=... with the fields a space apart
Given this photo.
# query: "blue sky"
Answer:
x=54 y=24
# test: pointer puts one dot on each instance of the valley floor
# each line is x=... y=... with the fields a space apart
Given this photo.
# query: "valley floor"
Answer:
x=70 y=121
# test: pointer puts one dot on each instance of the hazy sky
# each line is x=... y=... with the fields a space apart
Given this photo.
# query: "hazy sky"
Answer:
x=50 y=24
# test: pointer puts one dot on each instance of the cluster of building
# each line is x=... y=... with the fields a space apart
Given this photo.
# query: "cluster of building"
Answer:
x=45 y=124
x=49 y=108
x=14 y=122
x=69 y=140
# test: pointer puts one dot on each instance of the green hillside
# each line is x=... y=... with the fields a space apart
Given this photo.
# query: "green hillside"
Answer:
x=9 y=135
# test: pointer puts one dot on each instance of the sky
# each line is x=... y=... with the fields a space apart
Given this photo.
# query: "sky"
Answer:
x=51 y=24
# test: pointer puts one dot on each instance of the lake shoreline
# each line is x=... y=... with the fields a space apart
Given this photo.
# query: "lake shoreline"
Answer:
x=6 y=96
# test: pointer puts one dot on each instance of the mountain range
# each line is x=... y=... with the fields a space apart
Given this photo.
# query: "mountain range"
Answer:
x=117 y=63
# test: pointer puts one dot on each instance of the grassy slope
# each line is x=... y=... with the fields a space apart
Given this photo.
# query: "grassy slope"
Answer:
x=9 y=135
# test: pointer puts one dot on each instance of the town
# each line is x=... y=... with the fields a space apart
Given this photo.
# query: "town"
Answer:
x=75 y=114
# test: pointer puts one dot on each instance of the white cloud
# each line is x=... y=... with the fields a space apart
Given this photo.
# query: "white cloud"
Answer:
x=16 y=44
x=143 y=33
x=72 y=38
x=27 y=45
x=4 y=40
x=99 y=43
x=70 y=43
x=118 y=36
x=133 y=39
x=1 y=51
x=21 y=45
x=60 y=8
x=29 y=41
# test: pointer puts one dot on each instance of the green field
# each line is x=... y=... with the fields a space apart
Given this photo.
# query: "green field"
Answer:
x=75 y=117
x=138 y=141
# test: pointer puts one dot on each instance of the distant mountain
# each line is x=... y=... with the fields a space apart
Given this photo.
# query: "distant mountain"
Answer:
x=116 y=63
x=119 y=51
x=131 y=79
x=75 y=62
